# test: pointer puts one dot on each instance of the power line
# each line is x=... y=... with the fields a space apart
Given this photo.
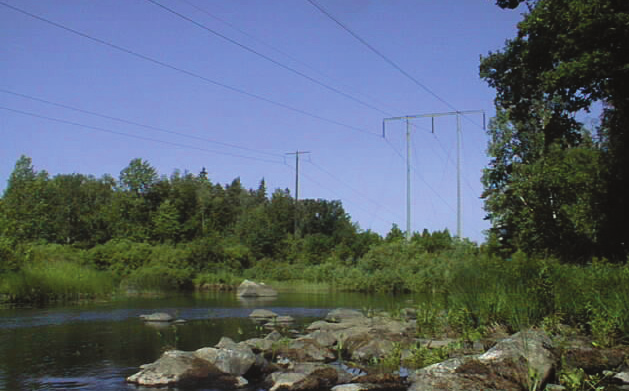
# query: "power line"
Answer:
x=385 y=58
x=280 y=51
x=379 y=54
x=105 y=130
x=349 y=201
x=186 y=72
x=151 y=127
x=344 y=183
x=261 y=55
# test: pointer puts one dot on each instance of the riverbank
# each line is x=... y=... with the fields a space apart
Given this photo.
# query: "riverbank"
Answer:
x=351 y=350
x=478 y=289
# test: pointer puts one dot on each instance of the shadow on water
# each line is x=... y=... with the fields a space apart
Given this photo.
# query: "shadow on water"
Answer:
x=96 y=346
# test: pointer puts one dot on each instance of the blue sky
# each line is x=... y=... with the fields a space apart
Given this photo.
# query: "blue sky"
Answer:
x=207 y=102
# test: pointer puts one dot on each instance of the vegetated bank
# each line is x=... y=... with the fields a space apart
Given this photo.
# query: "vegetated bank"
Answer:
x=75 y=237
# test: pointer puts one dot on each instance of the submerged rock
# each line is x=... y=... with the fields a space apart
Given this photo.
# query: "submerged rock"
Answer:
x=253 y=289
x=261 y=314
x=157 y=317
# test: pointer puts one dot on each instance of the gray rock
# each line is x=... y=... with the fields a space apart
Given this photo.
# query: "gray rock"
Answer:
x=375 y=348
x=230 y=361
x=341 y=315
x=260 y=314
x=259 y=344
x=622 y=377
x=506 y=366
x=323 y=338
x=353 y=387
x=274 y=336
x=174 y=367
x=305 y=376
x=157 y=317
x=252 y=289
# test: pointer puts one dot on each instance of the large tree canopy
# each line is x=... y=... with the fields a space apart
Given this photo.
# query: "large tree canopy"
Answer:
x=549 y=182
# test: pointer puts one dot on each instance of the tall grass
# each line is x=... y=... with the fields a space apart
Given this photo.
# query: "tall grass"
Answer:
x=55 y=280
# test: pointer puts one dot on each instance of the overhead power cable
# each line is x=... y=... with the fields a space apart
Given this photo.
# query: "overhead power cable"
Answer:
x=280 y=51
x=186 y=72
x=151 y=127
x=105 y=130
x=261 y=55
x=344 y=183
x=385 y=58
x=320 y=185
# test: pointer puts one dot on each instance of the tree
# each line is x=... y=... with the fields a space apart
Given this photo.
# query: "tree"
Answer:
x=166 y=225
x=568 y=55
x=138 y=176
x=26 y=202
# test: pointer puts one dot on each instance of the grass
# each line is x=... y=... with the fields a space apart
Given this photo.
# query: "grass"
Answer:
x=58 y=280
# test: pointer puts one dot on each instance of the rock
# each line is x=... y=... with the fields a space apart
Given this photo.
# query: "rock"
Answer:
x=274 y=336
x=622 y=377
x=235 y=361
x=381 y=381
x=241 y=382
x=259 y=344
x=593 y=360
x=506 y=366
x=157 y=317
x=309 y=350
x=262 y=314
x=226 y=343
x=374 y=348
x=554 y=387
x=323 y=338
x=252 y=289
x=305 y=376
x=174 y=367
x=341 y=315
x=352 y=387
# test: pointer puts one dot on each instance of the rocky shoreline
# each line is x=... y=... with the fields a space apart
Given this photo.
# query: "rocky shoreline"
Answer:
x=347 y=351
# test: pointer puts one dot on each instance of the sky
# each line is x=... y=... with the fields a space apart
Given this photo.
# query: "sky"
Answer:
x=235 y=86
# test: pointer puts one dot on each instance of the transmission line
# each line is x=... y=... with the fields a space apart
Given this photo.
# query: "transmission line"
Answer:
x=105 y=130
x=280 y=51
x=261 y=55
x=186 y=72
x=384 y=57
x=129 y=122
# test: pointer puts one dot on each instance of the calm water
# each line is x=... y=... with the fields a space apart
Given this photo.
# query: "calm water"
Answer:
x=96 y=346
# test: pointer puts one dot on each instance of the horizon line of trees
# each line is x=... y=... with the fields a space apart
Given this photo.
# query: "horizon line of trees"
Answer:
x=227 y=225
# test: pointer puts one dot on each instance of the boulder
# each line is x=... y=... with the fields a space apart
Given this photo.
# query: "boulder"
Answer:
x=515 y=363
x=157 y=317
x=304 y=377
x=235 y=361
x=323 y=338
x=174 y=367
x=253 y=289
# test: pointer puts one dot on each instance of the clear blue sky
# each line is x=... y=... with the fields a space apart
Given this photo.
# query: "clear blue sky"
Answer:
x=437 y=42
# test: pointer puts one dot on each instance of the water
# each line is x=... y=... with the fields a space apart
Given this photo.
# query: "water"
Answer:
x=97 y=345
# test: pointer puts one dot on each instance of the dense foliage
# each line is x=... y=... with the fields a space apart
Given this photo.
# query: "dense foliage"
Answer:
x=553 y=187
x=182 y=222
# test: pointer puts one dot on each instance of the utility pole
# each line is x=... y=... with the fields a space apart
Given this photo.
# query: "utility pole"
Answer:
x=459 y=209
x=408 y=169
x=297 y=154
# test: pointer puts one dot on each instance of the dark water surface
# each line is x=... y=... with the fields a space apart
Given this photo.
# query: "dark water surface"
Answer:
x=96 y=346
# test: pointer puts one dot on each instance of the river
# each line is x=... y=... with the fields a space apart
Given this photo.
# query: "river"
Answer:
x=95 y=346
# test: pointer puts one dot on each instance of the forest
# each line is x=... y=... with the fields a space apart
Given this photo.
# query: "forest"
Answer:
x=555 y=191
